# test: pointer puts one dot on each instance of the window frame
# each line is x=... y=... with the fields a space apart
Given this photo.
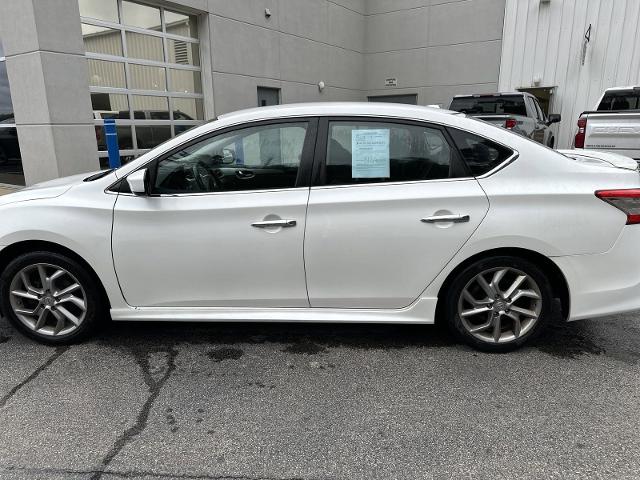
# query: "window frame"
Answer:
x=303 y=179
x=130 y=92
x=12 y=125
x=320 y=157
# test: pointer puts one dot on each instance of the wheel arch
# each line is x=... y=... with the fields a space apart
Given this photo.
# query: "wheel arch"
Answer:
x=559 y=284
x=12 y=251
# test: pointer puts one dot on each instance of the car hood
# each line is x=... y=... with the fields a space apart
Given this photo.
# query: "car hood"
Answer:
x=49 y=189
x=594 y=157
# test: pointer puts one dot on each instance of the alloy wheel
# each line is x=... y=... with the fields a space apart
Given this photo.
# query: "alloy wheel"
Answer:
x=500 y=305
x=48 y=299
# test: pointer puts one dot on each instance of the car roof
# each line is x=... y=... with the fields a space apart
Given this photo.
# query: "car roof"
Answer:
x=622 y=89
x=496 y=94
x=374 y=109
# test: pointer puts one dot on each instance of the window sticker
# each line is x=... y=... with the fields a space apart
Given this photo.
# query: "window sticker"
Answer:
x=370 y=153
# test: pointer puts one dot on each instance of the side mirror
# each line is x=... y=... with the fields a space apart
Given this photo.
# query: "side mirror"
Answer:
x=553 y=118
x=138 y=182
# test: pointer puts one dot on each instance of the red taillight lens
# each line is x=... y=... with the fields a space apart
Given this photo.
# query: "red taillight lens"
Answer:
x=628 y=201
x=510 y=123
x=582 y=129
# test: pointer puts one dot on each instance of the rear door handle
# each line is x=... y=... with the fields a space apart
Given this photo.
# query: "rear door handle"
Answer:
x=446 y=218
x=274 y=223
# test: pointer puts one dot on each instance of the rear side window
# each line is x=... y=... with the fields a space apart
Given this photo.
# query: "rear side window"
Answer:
x=490 y=105
x=625 y=100
x=373 y=152
x=480 y=155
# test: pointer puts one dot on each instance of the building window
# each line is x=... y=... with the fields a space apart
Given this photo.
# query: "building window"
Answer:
x=10 y=159
x=144 y=71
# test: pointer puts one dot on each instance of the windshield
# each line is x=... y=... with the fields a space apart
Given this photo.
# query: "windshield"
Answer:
x=502 y=105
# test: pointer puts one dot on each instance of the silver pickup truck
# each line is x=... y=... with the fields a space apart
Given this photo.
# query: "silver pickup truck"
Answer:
x=517 y=111
x=615 y=125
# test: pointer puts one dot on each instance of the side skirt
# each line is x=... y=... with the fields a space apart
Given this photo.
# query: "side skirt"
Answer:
x=421 y=311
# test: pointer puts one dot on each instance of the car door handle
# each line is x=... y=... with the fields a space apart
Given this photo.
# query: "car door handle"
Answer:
x=274 y=223
x=446 y=218
x=244 y=174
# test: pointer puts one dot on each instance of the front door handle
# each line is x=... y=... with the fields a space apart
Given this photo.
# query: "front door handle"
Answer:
x=245 y=174
x=274 y=223
x=446 y=218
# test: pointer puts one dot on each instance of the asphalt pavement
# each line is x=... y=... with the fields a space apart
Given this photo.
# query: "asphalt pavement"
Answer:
x=294 y=401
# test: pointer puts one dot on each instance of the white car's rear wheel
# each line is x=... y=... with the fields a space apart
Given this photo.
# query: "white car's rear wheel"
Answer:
x=50 y=297
x=497 y=304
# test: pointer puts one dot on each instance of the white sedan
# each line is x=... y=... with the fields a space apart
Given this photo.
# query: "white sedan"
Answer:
x=334 y=212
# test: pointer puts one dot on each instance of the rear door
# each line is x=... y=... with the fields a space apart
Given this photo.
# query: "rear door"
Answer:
x=391 y=204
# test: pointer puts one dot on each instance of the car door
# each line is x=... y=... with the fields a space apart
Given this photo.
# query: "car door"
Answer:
x=223 y=223
x=391 y=204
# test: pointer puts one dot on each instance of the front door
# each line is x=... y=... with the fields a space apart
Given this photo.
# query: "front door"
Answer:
x=223 y=224
x=392 y=206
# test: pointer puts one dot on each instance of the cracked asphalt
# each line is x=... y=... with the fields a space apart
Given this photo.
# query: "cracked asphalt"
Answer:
x=295 y=401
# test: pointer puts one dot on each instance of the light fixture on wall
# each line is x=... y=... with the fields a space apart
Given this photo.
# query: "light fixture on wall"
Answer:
x=267 y=12
x=321 y=85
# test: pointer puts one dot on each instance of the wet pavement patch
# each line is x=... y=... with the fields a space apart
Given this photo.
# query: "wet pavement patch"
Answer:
x=567 y=341
x=304 y=348
x=225 y=353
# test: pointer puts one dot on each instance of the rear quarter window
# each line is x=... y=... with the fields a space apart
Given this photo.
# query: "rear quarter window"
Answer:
x=480 y=154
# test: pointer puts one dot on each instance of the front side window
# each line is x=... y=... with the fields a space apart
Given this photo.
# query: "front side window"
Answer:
x=480 y=155
x=253 y=158
x=372 y=152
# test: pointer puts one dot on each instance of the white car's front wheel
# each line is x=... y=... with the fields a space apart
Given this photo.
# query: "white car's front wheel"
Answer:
x=498 y=304
x=50 y=297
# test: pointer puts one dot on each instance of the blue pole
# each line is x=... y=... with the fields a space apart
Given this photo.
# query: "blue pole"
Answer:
x=111 y=136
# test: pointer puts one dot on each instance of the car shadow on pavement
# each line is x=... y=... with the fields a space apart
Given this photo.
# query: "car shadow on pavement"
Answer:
x=617 y=337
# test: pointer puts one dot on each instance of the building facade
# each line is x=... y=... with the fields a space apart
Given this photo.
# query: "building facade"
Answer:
x=159 y=68
x=567 y=52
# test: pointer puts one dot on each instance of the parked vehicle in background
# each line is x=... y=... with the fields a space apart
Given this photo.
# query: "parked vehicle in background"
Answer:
x=518 y=111
x=614 y=125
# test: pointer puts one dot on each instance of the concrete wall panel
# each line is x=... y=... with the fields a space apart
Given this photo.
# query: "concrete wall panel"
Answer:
x=250 y=11
x=464 y=64
x=346 y=28
x=408 y=66
x=467 y=21
x=385 y=6
x=243 y=48
x=399 y=30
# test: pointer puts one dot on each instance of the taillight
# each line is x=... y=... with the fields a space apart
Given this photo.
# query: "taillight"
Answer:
x=582 y=129
x=510 y=123
x=628 y=201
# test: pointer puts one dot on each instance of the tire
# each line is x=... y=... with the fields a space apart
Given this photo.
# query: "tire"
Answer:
x=516 y=321
x=58 y=297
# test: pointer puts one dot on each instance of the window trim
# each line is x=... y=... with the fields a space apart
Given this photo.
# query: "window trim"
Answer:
x=303 y=179
x=320 y=157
